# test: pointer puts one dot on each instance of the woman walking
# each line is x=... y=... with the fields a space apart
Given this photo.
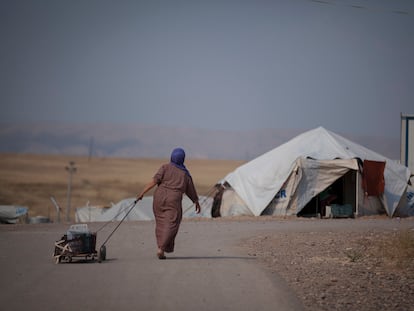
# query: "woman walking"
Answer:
x=173 y=180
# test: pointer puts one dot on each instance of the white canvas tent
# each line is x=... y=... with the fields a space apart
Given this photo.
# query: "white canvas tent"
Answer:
x=285 y=179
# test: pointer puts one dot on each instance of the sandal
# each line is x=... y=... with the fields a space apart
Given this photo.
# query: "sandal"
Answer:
x=161 y=255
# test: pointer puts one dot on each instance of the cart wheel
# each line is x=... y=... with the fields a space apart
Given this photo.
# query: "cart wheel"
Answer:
x=102 y=253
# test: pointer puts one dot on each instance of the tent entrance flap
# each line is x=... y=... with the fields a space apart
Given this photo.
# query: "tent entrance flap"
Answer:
x=313 y=184
x=342 y=192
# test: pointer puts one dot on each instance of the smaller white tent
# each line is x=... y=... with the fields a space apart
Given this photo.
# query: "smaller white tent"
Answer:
x=286 y=178
x=141 y=211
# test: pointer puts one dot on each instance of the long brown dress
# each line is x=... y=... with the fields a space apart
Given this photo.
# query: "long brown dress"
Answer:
x=172 y=184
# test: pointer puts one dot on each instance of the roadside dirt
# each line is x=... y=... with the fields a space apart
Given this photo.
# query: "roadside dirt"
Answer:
x=343 y=270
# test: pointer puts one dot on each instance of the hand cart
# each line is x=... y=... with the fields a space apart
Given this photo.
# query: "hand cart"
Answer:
x=77 y=242
x=80 y=242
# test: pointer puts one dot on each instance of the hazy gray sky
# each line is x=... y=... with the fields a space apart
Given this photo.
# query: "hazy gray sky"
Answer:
x=345 y=65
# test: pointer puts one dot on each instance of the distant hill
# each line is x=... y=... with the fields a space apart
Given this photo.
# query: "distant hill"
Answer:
x=108 y=140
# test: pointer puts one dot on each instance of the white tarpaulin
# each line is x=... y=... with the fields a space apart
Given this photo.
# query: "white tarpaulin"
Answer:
x=10 y=214
x=258 y=181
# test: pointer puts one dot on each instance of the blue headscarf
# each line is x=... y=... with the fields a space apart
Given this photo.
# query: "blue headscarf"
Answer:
x=177 y=159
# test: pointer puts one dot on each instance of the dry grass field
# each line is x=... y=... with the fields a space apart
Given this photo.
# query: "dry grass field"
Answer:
x=30 y=180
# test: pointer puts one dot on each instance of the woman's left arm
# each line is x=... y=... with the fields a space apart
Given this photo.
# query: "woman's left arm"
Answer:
x=192 y=194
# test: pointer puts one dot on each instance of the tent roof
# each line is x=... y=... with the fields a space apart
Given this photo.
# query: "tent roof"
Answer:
x=258 y=181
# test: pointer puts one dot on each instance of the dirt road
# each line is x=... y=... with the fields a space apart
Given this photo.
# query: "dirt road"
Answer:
x=208 y=271
x=215 y=266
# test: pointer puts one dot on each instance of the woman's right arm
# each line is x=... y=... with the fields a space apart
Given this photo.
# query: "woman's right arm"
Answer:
x=147 y=188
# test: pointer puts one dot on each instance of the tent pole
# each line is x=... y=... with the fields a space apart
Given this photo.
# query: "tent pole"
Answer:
x=356 y=193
